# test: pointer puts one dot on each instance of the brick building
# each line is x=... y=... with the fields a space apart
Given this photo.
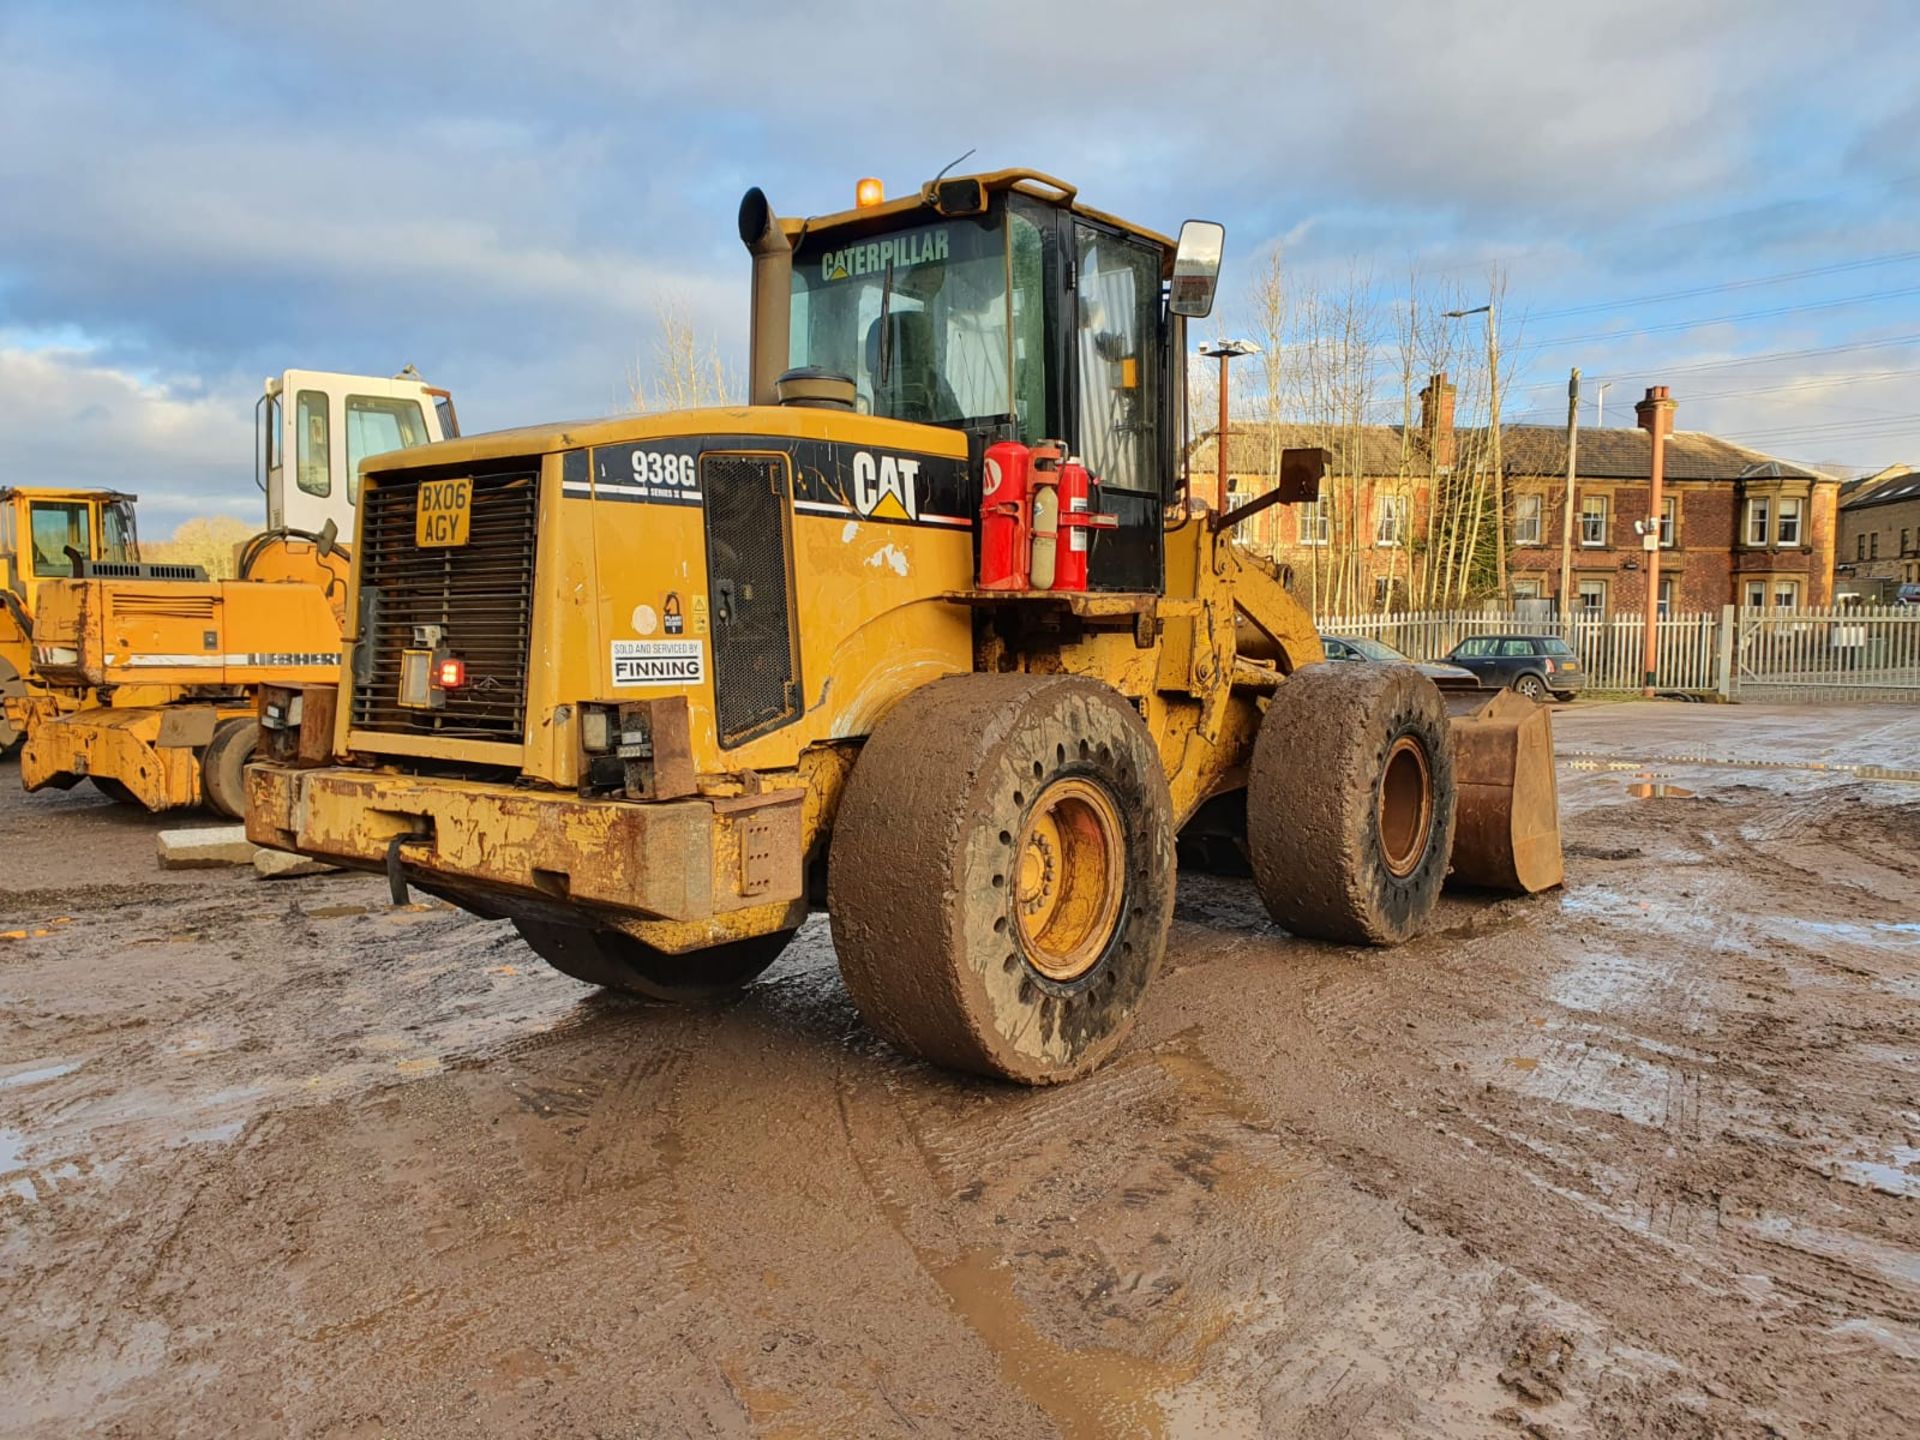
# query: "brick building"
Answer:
x=1879 y=545
x=1738 y=527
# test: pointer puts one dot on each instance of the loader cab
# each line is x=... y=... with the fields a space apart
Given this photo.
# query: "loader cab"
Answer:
x=41 y=530
x=314 y=427
x=997 y=306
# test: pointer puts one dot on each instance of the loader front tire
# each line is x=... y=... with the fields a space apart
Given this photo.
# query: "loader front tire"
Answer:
x=616 y=961
x=1001 y=874
x=1350 y=803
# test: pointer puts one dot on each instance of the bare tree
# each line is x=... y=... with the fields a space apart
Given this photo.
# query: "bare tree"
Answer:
x=685 y=373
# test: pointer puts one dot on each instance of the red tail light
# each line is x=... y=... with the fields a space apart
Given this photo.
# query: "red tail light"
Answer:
x=450 y=674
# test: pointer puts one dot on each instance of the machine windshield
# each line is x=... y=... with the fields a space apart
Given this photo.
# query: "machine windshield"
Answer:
x=918 y=317
x=118 y=541
x=56 y=526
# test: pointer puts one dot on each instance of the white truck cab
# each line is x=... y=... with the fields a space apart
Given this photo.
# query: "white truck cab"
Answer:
x=314 y=427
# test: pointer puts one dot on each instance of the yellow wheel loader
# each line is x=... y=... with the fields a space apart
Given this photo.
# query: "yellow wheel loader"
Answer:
x=45 y=532
x=654 y=687
x=144 y=675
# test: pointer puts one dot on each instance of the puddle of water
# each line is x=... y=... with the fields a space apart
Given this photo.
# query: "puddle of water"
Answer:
x=41 y=1073
x=1890 y=1261
x=334 y=912
x=1088 y=1393
x=1897 y=1175
x=13 y=1148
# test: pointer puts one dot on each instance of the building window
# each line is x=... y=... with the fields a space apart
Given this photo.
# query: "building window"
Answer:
x=1788 y=530
x=1756 y=595
x=1666 y=596
x=1786 y=594
x=1669 y=519
x=1906 y=547
x=1389 y=592
x=1593 y=597
x=1526 y=589
x=1526 y=520
x=1593 y=520
x=1873 y=546
x=1390 y=522
x=1759 y=520
x=1859 y=547
x=1316 y=527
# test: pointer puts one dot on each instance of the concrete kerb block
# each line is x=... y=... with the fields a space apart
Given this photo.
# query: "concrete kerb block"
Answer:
x=205 y=847
x=282 y=865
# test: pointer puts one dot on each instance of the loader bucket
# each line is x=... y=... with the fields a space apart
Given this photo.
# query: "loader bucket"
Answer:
x=1507 y=835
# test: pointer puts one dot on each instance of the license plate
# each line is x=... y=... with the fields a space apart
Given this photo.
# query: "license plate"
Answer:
x=445 y=512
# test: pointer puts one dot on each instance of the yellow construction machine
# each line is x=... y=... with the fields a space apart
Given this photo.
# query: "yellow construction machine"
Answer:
x=145 y=675
x=930 y=634
x=45 y=532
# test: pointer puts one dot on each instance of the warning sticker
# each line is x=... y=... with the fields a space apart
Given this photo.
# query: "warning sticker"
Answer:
x=659 y=662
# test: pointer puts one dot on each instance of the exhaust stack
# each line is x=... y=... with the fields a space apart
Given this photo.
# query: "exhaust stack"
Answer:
x=772 y=255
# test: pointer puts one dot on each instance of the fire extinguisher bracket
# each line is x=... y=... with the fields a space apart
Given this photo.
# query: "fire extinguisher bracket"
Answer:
x=1115 y=605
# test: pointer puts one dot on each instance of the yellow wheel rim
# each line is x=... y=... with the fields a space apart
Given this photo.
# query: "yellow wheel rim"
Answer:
x=1069 y=878
x=1406 y=806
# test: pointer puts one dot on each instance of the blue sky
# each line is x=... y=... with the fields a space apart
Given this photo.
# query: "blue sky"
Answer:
x=194 y=196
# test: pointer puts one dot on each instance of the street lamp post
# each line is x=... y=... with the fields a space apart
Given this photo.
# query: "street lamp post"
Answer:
x=1493 y=429
x=1224 y=351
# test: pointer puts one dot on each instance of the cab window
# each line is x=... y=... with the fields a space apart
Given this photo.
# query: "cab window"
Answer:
x=56 y=525
x=916 y=317
x=1118 y=285
x=118 y=542
x=377 y=424
x=313 y=471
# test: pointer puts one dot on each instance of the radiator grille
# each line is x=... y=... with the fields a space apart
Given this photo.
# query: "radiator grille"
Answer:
x=755 y=681
x=480 y=594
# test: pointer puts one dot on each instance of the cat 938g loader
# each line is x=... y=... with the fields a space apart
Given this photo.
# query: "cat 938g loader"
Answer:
x=929 y=633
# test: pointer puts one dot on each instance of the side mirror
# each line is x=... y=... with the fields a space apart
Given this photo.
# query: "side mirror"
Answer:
x=1196 y=268
x=329 y=537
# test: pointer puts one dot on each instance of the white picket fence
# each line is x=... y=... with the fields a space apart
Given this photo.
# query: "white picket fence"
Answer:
x=1823 y=653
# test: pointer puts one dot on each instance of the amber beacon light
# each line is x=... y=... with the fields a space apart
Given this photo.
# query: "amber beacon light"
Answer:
x=868 y=193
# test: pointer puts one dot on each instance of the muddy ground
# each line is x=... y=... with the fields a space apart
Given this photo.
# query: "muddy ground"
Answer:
x=1636 y=1159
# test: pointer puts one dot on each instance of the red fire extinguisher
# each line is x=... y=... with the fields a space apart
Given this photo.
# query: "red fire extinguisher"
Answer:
x=1005 y=552
x=1077 y=517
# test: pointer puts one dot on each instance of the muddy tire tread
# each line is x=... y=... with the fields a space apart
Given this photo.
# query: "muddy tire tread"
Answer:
x=923 y=938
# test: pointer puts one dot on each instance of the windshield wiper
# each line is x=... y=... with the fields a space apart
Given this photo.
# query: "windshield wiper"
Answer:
x=886 y=326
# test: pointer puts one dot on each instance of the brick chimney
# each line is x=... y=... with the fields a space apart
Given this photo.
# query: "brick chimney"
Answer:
x=1655 y=413
x=1436 y=420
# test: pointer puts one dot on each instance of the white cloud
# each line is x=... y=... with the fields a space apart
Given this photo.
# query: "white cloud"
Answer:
x=65 y=419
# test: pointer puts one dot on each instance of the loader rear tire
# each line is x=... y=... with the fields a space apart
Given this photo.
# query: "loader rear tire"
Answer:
x=619 y=962
x=1001 y=874
x=1350 y=803
x=116 y=791
x=12 y=687
x=223 y=767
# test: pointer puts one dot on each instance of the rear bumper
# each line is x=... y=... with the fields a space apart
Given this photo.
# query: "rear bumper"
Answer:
x=1563 y=684
x=711 y=867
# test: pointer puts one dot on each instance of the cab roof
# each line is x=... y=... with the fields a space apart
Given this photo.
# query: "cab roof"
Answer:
x=61 y=492
x=1027 y=182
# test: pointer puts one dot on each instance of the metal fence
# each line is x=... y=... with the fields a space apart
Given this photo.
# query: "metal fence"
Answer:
x=1829 y=653
x=1826 y=653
